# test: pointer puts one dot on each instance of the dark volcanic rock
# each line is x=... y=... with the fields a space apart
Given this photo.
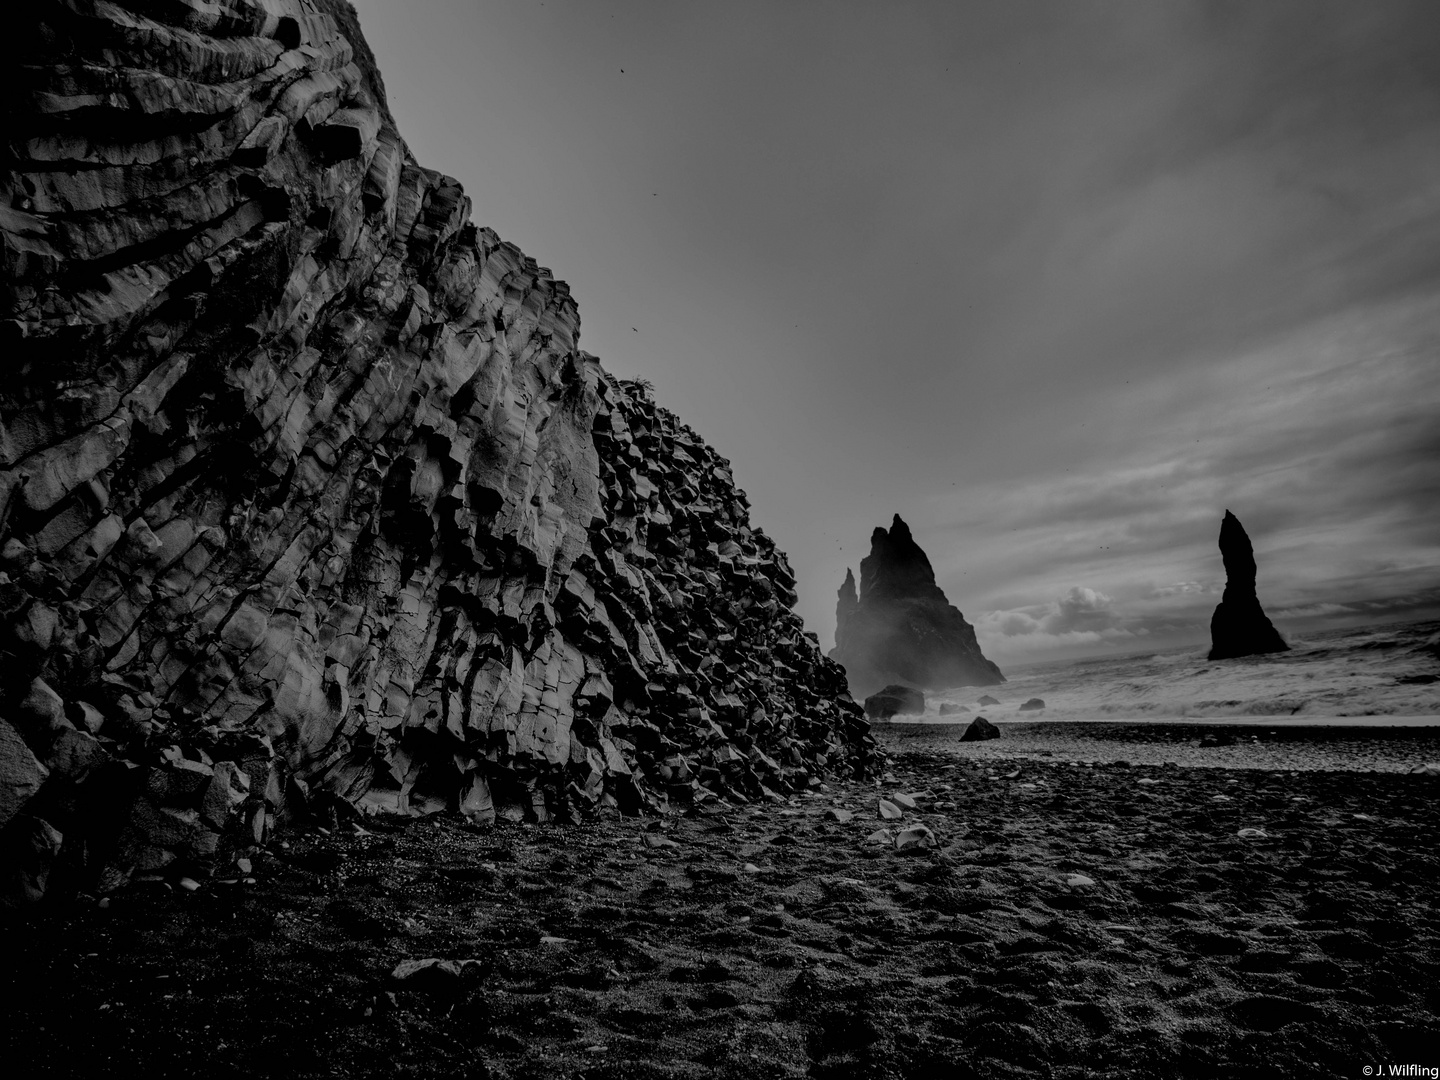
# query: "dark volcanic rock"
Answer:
x=1033 y=705
x=979 y=730
x=1239 y=626
x=308 y=496
x=899 y=627
x=894 y=700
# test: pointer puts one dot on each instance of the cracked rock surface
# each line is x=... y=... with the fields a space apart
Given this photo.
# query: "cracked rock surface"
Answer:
x=308 y=495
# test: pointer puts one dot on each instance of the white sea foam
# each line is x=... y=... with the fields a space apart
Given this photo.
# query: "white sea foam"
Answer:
x=1380 y=671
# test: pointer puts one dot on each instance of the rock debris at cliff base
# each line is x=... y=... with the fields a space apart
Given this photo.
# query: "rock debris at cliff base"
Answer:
x=307 y=493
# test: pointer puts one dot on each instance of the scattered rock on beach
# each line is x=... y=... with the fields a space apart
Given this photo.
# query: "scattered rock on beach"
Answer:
x=1428 y=769
x=1218 y=738
x=836 y=813
x=894 y=700
x=915 y=837
x=887 y=810
x=1033 y=704
x=979 y=730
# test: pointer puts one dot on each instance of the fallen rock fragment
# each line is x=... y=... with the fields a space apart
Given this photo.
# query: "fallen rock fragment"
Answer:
x=916 y=837
x=980 y=730
x=894 y=700
x=887 y=810
x=434 y=973
x=839 y=814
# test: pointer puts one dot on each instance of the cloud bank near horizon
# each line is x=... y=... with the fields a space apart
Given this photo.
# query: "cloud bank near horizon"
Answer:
x=1058 y=282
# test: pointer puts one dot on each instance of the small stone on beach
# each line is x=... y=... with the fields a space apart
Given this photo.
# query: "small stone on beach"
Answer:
x=917 y=836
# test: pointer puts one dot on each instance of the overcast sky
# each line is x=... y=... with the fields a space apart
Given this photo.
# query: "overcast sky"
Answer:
x=1056 y=282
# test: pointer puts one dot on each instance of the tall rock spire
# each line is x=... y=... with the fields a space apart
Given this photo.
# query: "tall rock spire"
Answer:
x=900 y=628
x=1239 y=626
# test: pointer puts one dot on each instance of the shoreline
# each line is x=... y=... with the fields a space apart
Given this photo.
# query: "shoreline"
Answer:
x=1381 y=746
x=1254 y=720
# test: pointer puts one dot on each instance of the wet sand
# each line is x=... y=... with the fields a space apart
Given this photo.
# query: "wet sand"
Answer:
x=1389 y=744
x=1136 y=920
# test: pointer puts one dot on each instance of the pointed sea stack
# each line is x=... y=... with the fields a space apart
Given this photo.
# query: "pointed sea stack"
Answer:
x=899 y=627
x=1239 y=626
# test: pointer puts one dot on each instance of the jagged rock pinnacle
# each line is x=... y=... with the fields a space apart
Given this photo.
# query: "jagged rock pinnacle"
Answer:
x=1239 y=626
x=901 y=628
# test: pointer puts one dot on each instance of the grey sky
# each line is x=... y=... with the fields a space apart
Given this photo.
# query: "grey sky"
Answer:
x=1057 y=282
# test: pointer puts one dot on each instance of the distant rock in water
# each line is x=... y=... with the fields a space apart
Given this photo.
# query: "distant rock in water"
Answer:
x=986 y=699
x=1033 y=705
x=1239 y=626
x=893 y=701
x=898 y=627
x=948 y=709
x=980 y=730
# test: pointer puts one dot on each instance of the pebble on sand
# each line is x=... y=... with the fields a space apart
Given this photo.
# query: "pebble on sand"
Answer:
x=916 y=836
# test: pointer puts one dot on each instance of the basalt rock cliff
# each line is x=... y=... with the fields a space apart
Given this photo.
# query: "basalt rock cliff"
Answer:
x=308 y=498
x=899 y=627
x=1239 y=626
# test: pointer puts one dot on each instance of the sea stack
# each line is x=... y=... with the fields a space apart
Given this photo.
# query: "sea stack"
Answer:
x=1239 y=626
x=898 y=627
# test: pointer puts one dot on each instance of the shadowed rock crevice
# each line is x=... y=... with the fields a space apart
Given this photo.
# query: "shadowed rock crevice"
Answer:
x=1239 y=626
x=308 y=497
x=899 y=627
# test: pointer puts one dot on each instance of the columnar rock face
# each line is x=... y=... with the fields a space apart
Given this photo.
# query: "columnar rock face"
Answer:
x=900 y=628
x=1239 y=627
x=308 y=494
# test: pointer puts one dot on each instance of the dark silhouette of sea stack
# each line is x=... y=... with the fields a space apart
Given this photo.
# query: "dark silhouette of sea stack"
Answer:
x=899 y=627
x=1239 y=626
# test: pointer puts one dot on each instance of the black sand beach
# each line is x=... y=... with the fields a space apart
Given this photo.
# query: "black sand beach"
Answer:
x=1118 y=919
